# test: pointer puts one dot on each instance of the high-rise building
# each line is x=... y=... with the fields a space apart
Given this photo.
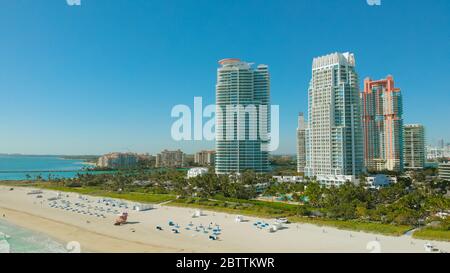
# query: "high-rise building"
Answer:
x=205 y=158
x=242 y=117
x=414 y=146
x=170 y=159
x=334 y=142
x=382 y=123
x=441 y=144
x=301 y=144
x=444 y=171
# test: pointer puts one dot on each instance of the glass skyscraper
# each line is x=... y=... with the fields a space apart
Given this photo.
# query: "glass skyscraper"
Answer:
x=242 y=117
x=334 y=142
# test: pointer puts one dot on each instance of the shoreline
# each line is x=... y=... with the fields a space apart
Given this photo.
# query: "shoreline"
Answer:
x=90 y=241
x=140 y=235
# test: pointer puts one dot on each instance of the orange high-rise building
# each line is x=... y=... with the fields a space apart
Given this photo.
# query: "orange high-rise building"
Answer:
x=382 y=111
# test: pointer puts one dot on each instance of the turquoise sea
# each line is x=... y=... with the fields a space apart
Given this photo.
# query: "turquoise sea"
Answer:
x=16 y=167
x=14 y=239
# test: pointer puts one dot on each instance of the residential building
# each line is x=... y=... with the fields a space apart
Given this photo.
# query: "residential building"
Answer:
x=170 y=159
x=205 y=158
x=414 y=146
x=336 y=180
x=334 y=141
x=301 y=144
x=289 y=179
x=380 y=181
x=194 y=172
x=242 y=117
x=118 y=160
x=444 y=171
x=382 y=123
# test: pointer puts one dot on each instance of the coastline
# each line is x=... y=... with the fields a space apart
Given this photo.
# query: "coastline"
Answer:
x=140 y=235
x=65 y=233
x=89 y=163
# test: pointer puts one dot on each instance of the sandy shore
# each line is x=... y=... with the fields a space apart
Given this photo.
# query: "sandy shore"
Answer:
x=98 y=234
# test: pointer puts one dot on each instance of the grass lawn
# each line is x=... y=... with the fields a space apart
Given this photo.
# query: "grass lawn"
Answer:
x=237 y=206
x=385 y=229
x=95 y=191
x=431 y=233
x=274 y=210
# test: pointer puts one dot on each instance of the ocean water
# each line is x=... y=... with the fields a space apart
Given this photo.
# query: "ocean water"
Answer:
x=20 y=240
x=15 y=167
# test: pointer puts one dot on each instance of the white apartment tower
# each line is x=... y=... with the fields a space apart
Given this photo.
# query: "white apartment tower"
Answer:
x=242 y=135
x=334 y=141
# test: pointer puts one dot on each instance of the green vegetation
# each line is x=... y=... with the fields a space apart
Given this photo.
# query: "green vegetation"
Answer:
x=86 y=158
x=136 y=196
x=238 y=206
x=386 y=229
x=433 y=234
x=141 y=197
x=408 y=204
x=439 y=232
x=283 y=164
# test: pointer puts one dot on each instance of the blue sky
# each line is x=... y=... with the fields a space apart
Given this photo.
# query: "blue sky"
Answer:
x=105 y=75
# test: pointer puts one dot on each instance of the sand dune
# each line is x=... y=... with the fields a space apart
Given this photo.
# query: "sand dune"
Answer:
x=97 y=234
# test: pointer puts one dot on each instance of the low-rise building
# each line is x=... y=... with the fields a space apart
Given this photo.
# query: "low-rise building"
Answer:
x=259 y=187
x=194 y=172
x=118 y=160
x=336 y=180
x=170 y=159
x=289 y=179
x=380 y=181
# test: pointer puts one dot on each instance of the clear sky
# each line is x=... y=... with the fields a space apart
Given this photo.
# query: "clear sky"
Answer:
x=105 y=75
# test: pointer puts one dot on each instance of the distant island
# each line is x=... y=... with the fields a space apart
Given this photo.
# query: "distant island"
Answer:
x=86 y=158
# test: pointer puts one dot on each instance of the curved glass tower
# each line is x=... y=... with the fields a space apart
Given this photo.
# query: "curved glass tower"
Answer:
x=242 y=119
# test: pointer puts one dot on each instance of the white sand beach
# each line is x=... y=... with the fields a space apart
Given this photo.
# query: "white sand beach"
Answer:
x=92 y=226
